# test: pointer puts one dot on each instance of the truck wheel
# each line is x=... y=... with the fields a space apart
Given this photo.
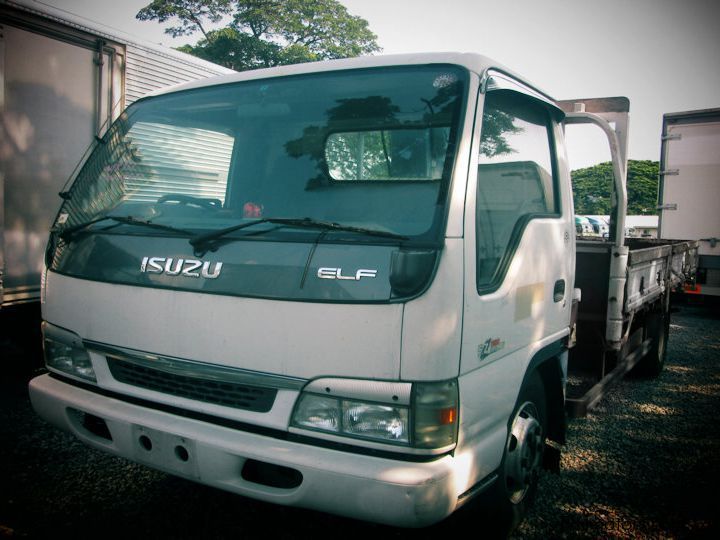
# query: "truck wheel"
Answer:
x=657 y=326
x=523 y=456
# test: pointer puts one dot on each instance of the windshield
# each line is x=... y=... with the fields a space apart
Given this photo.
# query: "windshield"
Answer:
x=369 y=149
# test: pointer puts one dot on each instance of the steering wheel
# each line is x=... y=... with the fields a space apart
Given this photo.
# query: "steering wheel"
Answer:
x=208 y=204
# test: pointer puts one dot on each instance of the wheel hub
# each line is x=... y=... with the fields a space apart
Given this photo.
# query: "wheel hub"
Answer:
x=523 y=457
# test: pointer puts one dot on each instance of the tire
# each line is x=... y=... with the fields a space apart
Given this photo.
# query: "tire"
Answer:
x=657 y=327
x=522 y=460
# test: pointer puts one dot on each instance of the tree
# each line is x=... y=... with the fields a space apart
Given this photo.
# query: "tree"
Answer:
x=642 y=187
x=592 y=187
x=265 y=33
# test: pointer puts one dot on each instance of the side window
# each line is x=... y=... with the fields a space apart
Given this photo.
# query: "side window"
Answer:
x=516 y=179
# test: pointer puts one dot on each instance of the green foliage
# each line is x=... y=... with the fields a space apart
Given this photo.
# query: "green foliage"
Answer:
x=592 y=187
x=497 y=125
x=190 y=14
x=265 y=33
x=643 y=187
x=236 y=50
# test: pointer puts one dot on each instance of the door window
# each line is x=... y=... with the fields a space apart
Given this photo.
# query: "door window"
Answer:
x=516 y=180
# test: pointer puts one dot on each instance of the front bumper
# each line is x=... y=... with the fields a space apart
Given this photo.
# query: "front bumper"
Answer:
x=390 y=491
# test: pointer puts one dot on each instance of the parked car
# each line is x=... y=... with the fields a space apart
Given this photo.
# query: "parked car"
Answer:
x=600 y=226
x=583 y=226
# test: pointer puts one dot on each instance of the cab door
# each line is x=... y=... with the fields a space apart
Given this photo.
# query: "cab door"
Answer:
x=519 y=250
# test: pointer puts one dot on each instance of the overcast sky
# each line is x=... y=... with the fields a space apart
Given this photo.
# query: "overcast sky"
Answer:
x=662 y=54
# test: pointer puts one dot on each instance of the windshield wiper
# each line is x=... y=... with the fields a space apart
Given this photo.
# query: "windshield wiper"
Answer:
x=202 y=241
x=67 y=233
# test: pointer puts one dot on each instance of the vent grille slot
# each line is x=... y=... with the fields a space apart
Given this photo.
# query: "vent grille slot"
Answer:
x=228 y=394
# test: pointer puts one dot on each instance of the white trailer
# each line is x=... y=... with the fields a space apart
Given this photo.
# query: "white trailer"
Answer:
x=689 y=191
x=63 y=79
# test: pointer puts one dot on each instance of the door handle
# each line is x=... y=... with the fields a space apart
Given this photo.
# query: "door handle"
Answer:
x=559 y=290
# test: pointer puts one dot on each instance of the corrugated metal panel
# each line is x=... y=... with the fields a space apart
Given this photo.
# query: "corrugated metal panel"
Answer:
x=148 y=70
x=43 y=9
x=178 y=160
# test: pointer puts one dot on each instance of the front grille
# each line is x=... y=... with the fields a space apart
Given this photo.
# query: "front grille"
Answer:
x=229 y=394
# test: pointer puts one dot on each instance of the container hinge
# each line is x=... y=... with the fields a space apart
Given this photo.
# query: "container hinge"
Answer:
x=670 y=172
x=668 y=206
x=672 y=137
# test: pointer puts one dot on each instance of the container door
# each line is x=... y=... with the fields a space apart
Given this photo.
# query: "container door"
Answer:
x=58 y=93
x=690 y=193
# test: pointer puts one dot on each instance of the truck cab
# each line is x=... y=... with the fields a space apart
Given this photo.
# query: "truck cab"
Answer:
x=345 y=286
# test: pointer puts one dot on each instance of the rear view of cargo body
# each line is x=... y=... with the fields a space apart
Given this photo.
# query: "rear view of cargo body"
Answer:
x=690 y=189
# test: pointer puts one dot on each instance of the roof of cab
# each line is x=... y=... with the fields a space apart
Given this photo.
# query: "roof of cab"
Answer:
x=476 y=63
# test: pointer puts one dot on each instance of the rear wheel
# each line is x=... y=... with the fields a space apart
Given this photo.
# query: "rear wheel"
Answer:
x=657 y=327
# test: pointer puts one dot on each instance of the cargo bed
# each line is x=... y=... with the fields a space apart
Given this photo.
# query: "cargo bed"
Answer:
x=654 y=268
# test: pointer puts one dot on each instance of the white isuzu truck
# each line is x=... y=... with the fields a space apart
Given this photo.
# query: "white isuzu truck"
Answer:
x=359 y=296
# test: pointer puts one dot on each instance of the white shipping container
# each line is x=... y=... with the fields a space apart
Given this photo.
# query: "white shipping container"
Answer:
x=689 y=197
x=63 y=79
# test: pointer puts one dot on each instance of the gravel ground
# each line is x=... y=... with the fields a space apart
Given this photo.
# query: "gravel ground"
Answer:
x=643 y=465
x=646 y=462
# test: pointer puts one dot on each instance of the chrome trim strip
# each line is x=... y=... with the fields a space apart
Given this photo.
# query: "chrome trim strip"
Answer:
x=390 y=393
x=197 y=370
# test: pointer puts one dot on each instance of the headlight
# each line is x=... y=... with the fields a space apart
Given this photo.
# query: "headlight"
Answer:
x=353 y=418
x=373 y=421
x=64 y=352
x=317 y=412
x=421 y=415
